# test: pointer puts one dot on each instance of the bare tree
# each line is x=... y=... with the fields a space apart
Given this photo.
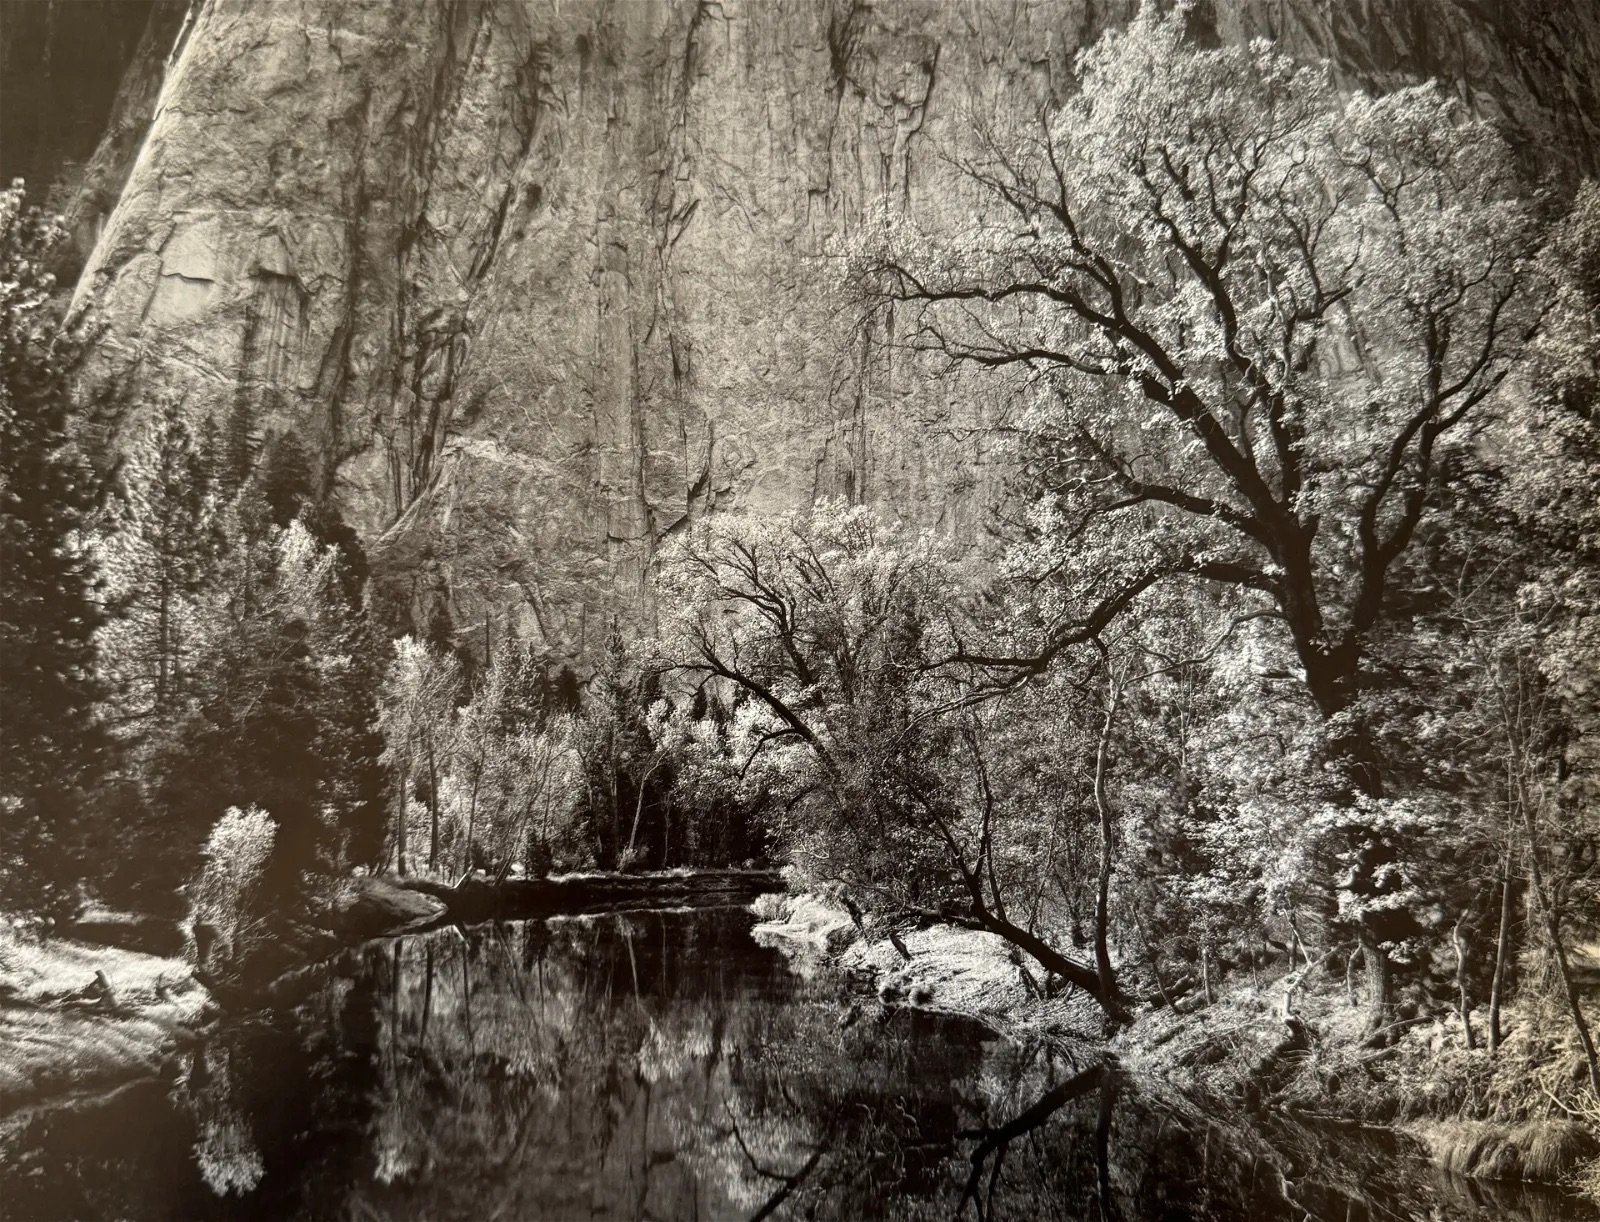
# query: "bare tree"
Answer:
x=834 y=625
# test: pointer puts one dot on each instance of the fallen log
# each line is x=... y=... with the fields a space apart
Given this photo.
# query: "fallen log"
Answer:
x=481 y=899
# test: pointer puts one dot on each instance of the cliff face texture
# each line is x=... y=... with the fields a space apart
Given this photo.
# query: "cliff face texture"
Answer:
x=539 y=280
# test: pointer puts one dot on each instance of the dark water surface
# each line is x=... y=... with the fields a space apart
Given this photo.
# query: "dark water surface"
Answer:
x=665 y=1066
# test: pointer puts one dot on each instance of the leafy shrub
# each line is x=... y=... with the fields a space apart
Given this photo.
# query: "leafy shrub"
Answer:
x=235 y=857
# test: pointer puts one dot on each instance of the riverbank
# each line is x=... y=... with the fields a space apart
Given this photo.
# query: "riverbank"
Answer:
x=1282 y=1054
x=91 y=1010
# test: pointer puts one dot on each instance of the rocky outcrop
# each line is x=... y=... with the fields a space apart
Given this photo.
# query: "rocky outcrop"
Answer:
x=541 y=280
x=104 y=174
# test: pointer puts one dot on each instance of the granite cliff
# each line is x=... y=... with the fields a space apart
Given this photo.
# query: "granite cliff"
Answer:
x=539 y=280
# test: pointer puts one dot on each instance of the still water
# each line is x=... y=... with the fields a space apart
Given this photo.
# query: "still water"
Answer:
x=666 y=1066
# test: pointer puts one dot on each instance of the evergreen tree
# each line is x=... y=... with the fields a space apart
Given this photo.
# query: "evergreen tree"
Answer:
x=284 y=478
x=157 y=563
x=235 y=453
x=51 y=745
x=281 y=710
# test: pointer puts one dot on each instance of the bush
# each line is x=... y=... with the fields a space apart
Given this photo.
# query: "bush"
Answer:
x=225 y=920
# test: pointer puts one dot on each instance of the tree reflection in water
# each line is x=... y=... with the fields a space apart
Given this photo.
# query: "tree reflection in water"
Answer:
x=664 y=1066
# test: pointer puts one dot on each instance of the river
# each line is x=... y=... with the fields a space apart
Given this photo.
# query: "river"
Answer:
x=663 y=1065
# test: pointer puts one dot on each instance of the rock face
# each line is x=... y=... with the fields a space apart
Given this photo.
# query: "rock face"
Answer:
x=541 y=280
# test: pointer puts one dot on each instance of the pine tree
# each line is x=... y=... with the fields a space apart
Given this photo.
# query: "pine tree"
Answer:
x=235 y=452
x=51 y=745
x=280 y=710
x=284 y=478
x=157 y=562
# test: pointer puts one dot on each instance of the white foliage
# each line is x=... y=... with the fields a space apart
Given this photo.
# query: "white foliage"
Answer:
x=235 y=855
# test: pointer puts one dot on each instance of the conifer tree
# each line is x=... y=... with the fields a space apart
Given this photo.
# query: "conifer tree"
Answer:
x=235 y=453
x=51 y=745
x=280 y=712
x=157 y=562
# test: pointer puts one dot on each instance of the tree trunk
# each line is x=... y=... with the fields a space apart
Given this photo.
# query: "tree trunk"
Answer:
x=1305 y=951
x=399 y=990
x=1102 y=900
x=1102 y=1151
x=403 y=781
x=1502 y=954
x=1380 y=1003
x=433 y=809
x=1552 y=920
x=638 y=812
x=1558 y=948
x=427 y=994
x=1464 y=1005
x=1155 y=968
x=466 y=991
x=472 y=805
x=995 y=1141
x=1579 y=1023
x=1053 y=960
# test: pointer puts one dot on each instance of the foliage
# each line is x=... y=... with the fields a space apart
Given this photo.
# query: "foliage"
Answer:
x=51 y=744
x=235 y=857
x=281 y=712
x=487 y=784
x=622 y=775
x=1250 y=316
x=1258 y=330
x=832 y=634
x=158 y=560
x=819 y=630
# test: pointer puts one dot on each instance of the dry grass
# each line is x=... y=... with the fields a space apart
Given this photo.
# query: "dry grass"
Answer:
x=1508 y=1116
x=811 y=930
x=56 y=1036
x=951 y=971
x=1586 y=1179
x=1547 y=1151
x=1518 y=1115
x=47 y=1054
x=1216 y=1051
x=38 y=972
x=956 y=971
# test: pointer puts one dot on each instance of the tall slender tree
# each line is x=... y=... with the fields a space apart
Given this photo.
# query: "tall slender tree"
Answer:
x=157 y=561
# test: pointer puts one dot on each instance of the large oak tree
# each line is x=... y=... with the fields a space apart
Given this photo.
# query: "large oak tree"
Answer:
x=1250 y=321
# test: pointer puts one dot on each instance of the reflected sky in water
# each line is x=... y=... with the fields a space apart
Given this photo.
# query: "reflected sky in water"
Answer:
x=665 y=1066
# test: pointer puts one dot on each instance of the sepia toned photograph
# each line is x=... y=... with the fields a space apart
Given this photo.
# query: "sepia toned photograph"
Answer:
x=697 y=610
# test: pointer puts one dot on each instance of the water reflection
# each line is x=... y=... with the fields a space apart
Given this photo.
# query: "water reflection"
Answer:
x=664 y=1066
